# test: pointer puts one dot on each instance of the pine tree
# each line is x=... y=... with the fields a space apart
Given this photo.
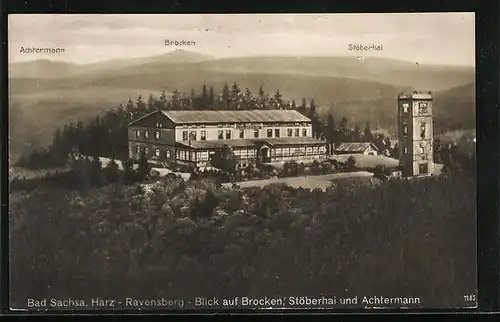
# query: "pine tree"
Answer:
x=293 y=107
x=141 y=106
x=367 y=135
x=204 y=97
x=225 y=96
x=235 y=96
x=278 y=100
x=262 y=98
x=248 y=99
x=175 y=100
x=211 y=97
x=151 y=103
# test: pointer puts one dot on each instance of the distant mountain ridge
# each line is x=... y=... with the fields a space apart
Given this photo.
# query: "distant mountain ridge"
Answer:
x=384 y=70
x=44 y=94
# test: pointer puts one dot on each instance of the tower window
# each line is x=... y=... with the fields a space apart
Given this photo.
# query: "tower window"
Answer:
x=405 y=107
x=423 y=168
x=422 y=131
x=405 y=128
x=406 y=150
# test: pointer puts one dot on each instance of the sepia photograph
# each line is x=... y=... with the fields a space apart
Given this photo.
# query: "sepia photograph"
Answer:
x=242 y=161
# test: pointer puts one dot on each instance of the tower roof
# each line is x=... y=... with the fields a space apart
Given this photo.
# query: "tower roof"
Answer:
x=416 y=95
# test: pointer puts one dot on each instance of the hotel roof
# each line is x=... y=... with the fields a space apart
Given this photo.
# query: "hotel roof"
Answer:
x=232 y=116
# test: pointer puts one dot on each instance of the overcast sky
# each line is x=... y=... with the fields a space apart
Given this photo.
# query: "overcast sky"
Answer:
x=434 y=38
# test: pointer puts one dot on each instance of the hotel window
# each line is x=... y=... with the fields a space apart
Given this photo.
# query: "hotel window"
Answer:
x=269 y=133
x=203 y=135
x=297 y=132
x=138 y=149
x=277 y=133
x=159 y=125
x=242 y=134
x=289 y=132
x=304 y=132
x=228 y=134
x=184 y=135
x=192 y=135
x=256 y=133
x=167 y=153
x=157 y=152
x=220 y=135
x=146 y=150
x=157 y=135
x=137 y=134
x=315 y=150
x=309 y=150
x=286 y=152
x=146 y=134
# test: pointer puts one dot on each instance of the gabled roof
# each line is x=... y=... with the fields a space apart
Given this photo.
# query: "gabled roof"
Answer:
x=355 y=147
x=235 y=116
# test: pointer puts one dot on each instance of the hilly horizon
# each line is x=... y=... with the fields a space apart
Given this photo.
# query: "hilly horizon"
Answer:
x=385 y=70
x=46 y=94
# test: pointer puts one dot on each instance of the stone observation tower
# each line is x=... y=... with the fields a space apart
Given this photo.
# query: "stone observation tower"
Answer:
x=415 y=134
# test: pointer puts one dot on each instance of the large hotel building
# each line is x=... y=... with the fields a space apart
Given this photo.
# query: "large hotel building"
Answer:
x=190 y=137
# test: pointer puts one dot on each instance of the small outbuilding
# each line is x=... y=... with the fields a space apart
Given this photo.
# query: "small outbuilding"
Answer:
x=366 y=148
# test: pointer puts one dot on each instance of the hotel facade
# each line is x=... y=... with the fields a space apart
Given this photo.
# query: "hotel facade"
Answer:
x=191 y=137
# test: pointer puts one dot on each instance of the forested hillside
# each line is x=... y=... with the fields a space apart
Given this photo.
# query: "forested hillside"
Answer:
x=184 y=240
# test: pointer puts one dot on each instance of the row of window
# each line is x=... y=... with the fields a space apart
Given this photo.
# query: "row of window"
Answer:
x=156 y=151
x=146 y=134
x=227 y=134
x=296 y=151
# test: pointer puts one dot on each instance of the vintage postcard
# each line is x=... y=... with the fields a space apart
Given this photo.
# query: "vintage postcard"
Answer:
x=242 y=161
